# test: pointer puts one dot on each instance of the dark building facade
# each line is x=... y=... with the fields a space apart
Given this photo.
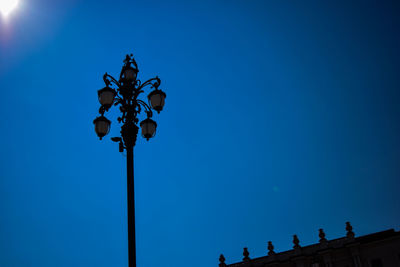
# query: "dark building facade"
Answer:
x=380 y=249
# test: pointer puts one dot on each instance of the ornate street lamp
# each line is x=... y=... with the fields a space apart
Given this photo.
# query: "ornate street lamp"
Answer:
x=125 y=95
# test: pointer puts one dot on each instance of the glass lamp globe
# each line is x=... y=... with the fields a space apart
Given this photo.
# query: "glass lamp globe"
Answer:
x=101 y=126
x=157 y=99
x=148 y=128
x=130 y=74
x=106 y=96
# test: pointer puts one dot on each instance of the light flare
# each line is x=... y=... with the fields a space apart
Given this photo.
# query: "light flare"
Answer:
x=7 y=6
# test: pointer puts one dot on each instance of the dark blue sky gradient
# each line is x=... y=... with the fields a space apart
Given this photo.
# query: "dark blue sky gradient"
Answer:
x=281 y=117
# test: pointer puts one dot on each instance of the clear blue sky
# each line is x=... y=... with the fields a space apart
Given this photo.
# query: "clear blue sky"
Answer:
x=281 y=117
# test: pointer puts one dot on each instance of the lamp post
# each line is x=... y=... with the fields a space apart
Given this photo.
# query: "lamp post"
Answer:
x=128 y=89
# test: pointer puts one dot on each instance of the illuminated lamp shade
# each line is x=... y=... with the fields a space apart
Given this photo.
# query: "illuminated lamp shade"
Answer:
x=106 y=96
x=102 y=126
x=157 y=99
x=148 y=128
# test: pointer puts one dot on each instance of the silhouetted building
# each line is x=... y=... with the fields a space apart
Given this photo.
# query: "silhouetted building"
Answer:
x=380 y=249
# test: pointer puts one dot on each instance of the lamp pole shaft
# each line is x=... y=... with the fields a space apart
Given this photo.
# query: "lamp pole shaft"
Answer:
x=131 y=207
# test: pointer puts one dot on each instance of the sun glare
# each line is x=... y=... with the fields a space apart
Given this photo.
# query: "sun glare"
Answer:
x=7 y=6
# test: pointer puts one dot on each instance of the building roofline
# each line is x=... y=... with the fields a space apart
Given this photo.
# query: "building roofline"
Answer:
x=320 y=248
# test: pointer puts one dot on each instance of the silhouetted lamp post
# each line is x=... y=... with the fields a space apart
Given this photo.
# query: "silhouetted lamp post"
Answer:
x=128 y=89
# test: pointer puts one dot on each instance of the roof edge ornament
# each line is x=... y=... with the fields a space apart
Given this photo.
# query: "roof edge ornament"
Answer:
x=321 y=235
x=246 y=254
x=350 y=234
x=222 y=260
x=270 y=249
x=296 y=242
